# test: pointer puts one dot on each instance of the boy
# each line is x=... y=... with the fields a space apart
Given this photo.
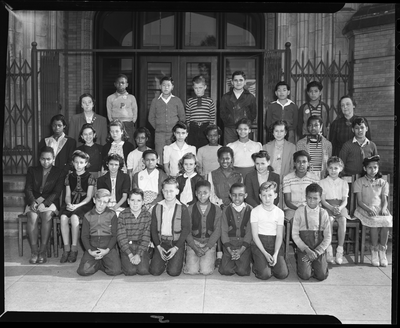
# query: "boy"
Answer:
x=236 y=234
x=200 y=112
x=355 y=150
x=122 y=106
x=133 y=235
x=267 y=223
x=170 y=226
x=99 y=238
x=207 y=155
x=313 y=107
x=312 y=234
x=235 y=104
x=205 y=226
x=319 y=148
x=165 y=111
x=283 y=109
x=244 y=147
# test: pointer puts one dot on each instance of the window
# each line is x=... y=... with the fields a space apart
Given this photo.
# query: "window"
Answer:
x=201 y=30
x=158 y=30
x=241 y=30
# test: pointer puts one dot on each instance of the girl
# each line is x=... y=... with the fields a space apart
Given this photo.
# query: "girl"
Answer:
x=150 y=179
x=207 y=155
x=134 y=162
x=174 y=152
x=334 y=199
x=187 y=179
x=281 y=153
x=79 y=185
x=43 y=187
x=117 y=143
x=88 y=137
x=115 y=181
x=88 y=116
x=372 y=192
x=262 y=173
x=62 y=145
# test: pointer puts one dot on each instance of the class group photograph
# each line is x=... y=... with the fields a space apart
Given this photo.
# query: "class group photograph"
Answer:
x=200 y=162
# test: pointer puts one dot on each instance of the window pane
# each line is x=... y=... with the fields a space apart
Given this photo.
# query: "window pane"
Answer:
x=241 y=30
x=158 y=29
x=117 y=30
x=155 y=72
x=248 y=66
x=195 y=69
x=200 y=30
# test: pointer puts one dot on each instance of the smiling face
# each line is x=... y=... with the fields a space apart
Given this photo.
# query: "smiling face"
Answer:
x=262 y=165
x=238 y=195
x=279 y=132
x=238 y=82
x=46 y=160
x=135 y=202
x=199 y=89
x=189 y=165
x=88 y=136
x=347 y=106
x=243 y=131
x=87 y=104
x=203 y=194
x=116 y=133
x=360 y=131
x=225 y=160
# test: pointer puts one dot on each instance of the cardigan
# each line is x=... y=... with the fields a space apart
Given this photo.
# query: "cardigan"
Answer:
x=99 y=124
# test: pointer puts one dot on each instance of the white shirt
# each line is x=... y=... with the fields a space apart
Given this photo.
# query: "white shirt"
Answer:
x=148 y=182
x=55 y=144
x=187 y=193
x=172 y=155
x=242 y=152
x=167 y=215
x=134 y=161
x=268 y=221
x=334 y=189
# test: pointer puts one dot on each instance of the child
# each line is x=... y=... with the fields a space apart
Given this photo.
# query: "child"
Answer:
x=200 y=112
x=281 y=153
x=187 y=179
x=372 y=208
x=122 y=106
x=205 y=231
x=237 y=103
x=267 y=225
x=355 y=150
x=170 y=226
x=115 y=181
x=283 y=109
x=99 y=238
x=134 y=162
x=43 y=187
x=165 y=111
x=117 y=143
x=312 y=234
x=244 y=147
x=295 y=183
x=150 y=179
x=62 y=144
x=319 y=148
x=88 y=116
x=207 y=155
x=334 y=200
x=79 y=185
x=174 y=152
x=262 y=173
x=313 y=107
x=88 y=137
x=236 y=234
x=133 y=235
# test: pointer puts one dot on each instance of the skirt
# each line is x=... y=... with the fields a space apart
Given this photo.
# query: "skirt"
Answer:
x=343 y=212
x=379 y=221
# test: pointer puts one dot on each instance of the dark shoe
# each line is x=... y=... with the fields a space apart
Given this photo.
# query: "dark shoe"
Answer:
x=72 y=256
x=34 y=258
x=218 y=262
x=42 y=258
x=64 y=257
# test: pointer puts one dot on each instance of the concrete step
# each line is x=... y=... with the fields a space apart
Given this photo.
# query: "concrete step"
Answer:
x=14 y=183
x=13 y=199
x=10 y=221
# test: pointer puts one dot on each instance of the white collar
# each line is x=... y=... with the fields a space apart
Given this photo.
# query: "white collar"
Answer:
x=186 y=176
x=316 y=209
x=170 y=96
x=240 y=207
x=366 y=141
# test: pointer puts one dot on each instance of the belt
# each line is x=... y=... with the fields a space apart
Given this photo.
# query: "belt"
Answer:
x=199 y=123
x=167 y=238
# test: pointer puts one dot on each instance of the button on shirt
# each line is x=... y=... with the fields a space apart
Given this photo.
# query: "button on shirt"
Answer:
x=334 y=189
x=172 y=155
x=167 y=216
x=243 y=151
x=148 y=182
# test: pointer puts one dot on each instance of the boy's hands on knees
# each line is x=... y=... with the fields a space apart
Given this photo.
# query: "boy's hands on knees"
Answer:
x=198 y=250
x=95 y=254
x=171 y=252
x=134 y=259
x=311 y=255
x=102 y=252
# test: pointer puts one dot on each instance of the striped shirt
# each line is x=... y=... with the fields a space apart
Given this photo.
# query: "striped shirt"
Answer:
x=315 y=150
x=200 y=110
x=135 y=230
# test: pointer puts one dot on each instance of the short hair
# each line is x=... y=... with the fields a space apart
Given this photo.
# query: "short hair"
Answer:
x=278 y=123
x=334 y=160
x=301 y=153
x=58 y=117
x=84 y=95
x=367 y=160
x=87 y=126
x=136 y=191
x=115 y=157
x=261 y=154
x=314 y=84
x=121 y=125
x=202 y=183
x=149 y=151
x=315 y=118
x=102 y=192
x=282 y=83
x=81 y=154
x=237 y=185
x=180 y=125
x=167 y=78
x=46 y=149
x=267 y=185
x=121 y=76
x=144 y=130
x=359 y=121
x=314 y=187
x=212 y=127
x=170 y=180
x=224 y=149
x=243 y=120
x=182 y=160
x=347 y=96
x=238 y=73
x=199 y=79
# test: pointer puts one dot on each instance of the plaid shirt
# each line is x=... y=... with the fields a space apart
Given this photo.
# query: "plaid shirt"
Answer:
x=134 y=229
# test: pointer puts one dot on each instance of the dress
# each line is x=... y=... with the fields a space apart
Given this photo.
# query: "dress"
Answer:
x=79 y=185
x=371 y=191
x=94 y=153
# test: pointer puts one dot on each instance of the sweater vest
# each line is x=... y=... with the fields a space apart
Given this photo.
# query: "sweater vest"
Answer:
x=230 y=215
x=176 y=221
x=100 y=224
x=197 y=222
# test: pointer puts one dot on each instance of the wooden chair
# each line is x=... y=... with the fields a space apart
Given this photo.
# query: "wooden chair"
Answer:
x=386 y=177
x=288 y=242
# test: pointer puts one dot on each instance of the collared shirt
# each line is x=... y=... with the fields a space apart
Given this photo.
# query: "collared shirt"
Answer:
x=287 y=103
x=166 y=100
x=148 y=182
x=365 y=142
x=334 y=189
x=172 y=155
x=56 y=144
x=187 y=194
x=238 y=208
x=243 y=151
x=167 y=216
x=297 y=187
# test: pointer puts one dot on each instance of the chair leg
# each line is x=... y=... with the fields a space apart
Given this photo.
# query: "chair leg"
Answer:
x=356 y=245
x=55 y=237
x=363 y=232
x=20 y=240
